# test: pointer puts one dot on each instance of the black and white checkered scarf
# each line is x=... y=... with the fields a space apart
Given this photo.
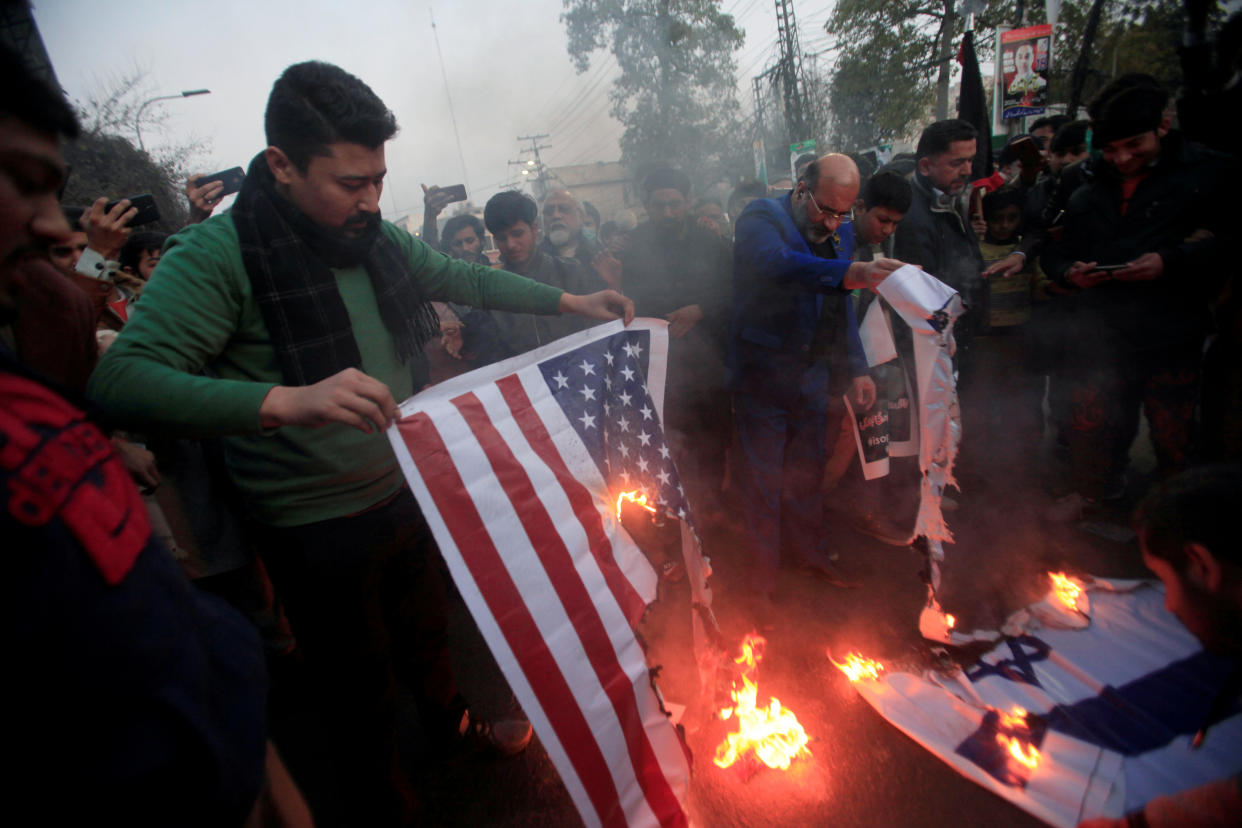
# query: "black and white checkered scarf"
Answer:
x=289 y=260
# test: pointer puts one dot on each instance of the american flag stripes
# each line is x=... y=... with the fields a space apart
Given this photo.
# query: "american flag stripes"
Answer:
x=518 y=467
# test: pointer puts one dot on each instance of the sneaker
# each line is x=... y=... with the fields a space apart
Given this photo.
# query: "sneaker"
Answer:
x=880 y=528
x=1070 y=508
x=502 y=737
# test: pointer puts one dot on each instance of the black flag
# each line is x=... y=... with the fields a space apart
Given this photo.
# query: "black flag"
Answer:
x=972 y=105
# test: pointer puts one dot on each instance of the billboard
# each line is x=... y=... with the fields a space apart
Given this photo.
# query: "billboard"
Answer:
x=1025 y=55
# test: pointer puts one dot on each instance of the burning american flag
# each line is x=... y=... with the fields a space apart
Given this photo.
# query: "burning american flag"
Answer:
x=518 y=467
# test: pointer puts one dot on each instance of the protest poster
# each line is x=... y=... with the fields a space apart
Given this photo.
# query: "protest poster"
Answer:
x=1025 y=57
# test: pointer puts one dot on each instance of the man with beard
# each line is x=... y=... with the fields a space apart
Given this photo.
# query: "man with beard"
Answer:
x=1188 y=535
x=936 y=234
x=675 y=269
x=463 y=239
x=562 y=227
x=791 y=274
x=566 y=236
x=307 y=308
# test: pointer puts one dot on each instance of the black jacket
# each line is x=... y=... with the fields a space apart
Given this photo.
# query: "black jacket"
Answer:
x=936 y=235
x=491 y=336
x=1188 y=188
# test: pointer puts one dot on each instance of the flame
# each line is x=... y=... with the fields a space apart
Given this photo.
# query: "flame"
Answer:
x=636 y=498
x=772 y=732
x=1066 y=589
x=949 y=621
x=857 y=667
x=1027 y=755
x=1028 y=758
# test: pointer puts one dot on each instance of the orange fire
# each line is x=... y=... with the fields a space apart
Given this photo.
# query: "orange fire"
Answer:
x=949 y=621
x=772 y=733
x=1066 y=589
x=856 y=667
x=1027 y=755
x=637 y=499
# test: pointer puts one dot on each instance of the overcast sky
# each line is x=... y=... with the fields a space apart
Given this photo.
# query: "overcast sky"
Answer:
x=508 y=73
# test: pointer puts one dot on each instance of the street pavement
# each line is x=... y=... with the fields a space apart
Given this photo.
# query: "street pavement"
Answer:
x=862 y=771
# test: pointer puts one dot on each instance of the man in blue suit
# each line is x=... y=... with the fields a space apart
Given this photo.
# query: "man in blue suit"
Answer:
x=792 y=321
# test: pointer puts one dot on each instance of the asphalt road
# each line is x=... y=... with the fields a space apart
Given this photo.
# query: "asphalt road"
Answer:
x=862 y=771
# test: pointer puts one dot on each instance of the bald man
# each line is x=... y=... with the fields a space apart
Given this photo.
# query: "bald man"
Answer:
x=792 y=323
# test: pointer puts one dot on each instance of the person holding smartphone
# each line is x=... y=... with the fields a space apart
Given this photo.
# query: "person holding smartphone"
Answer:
x=1144 y=246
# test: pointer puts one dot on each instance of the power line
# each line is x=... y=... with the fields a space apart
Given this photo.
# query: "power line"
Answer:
x=452 y=115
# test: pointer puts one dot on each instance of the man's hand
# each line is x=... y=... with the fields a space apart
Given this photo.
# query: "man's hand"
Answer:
x=1145 y=268
x=1084 y=275
x=608 y=268
x=435 y=199
x=603 y=304
x=349 y=397
x=862 y=393
x=869 y=274
x=107 y=230
x=139 y=462
x=1006 y=267
x=682 y=320
x=202 y=199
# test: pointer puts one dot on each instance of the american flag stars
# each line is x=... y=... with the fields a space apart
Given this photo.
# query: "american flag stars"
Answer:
x=602 y=389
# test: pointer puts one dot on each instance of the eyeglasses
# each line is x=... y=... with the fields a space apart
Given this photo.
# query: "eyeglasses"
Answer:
x=832 y=215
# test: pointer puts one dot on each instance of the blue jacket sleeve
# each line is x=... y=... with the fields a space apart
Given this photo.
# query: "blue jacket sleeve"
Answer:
x=760 y=246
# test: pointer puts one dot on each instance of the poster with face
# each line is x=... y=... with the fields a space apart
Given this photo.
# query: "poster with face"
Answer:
x=1025 y=57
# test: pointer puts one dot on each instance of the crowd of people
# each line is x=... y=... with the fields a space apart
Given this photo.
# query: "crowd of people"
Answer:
x=211 y=405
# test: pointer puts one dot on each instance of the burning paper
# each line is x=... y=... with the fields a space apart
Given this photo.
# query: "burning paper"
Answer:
x=1019 y=744
x=771 y=733
x=637 y=498
x=856 y=667
x=1066 y=606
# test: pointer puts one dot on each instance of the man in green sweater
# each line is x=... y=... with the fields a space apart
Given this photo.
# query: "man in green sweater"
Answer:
x=305 y=308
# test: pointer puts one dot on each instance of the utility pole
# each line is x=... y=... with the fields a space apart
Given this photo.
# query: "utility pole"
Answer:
x=540 y=185
x=793 y=82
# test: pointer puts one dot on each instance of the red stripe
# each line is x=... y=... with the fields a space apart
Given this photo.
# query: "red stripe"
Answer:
x=557 y=562
x=580 y=498
x=470 y=535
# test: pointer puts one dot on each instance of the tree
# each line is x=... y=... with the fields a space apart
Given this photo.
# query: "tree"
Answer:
x=895 y=58
x=892 y=58
x=103 y=162
x=677 y=92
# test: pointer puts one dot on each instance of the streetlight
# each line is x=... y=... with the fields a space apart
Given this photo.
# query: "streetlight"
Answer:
x=138 y=118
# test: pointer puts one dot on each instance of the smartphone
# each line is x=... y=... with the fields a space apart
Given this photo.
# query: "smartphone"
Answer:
x=147 y=213
x=1109 y=268
x=457 y=191
x=232 y=179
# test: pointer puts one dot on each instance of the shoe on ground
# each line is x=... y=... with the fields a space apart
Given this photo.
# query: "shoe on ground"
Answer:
x=502 y=737
x=880 y=528
x=1070 y=508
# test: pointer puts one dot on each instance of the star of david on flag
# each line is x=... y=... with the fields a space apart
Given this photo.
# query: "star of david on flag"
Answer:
x=518 y=467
